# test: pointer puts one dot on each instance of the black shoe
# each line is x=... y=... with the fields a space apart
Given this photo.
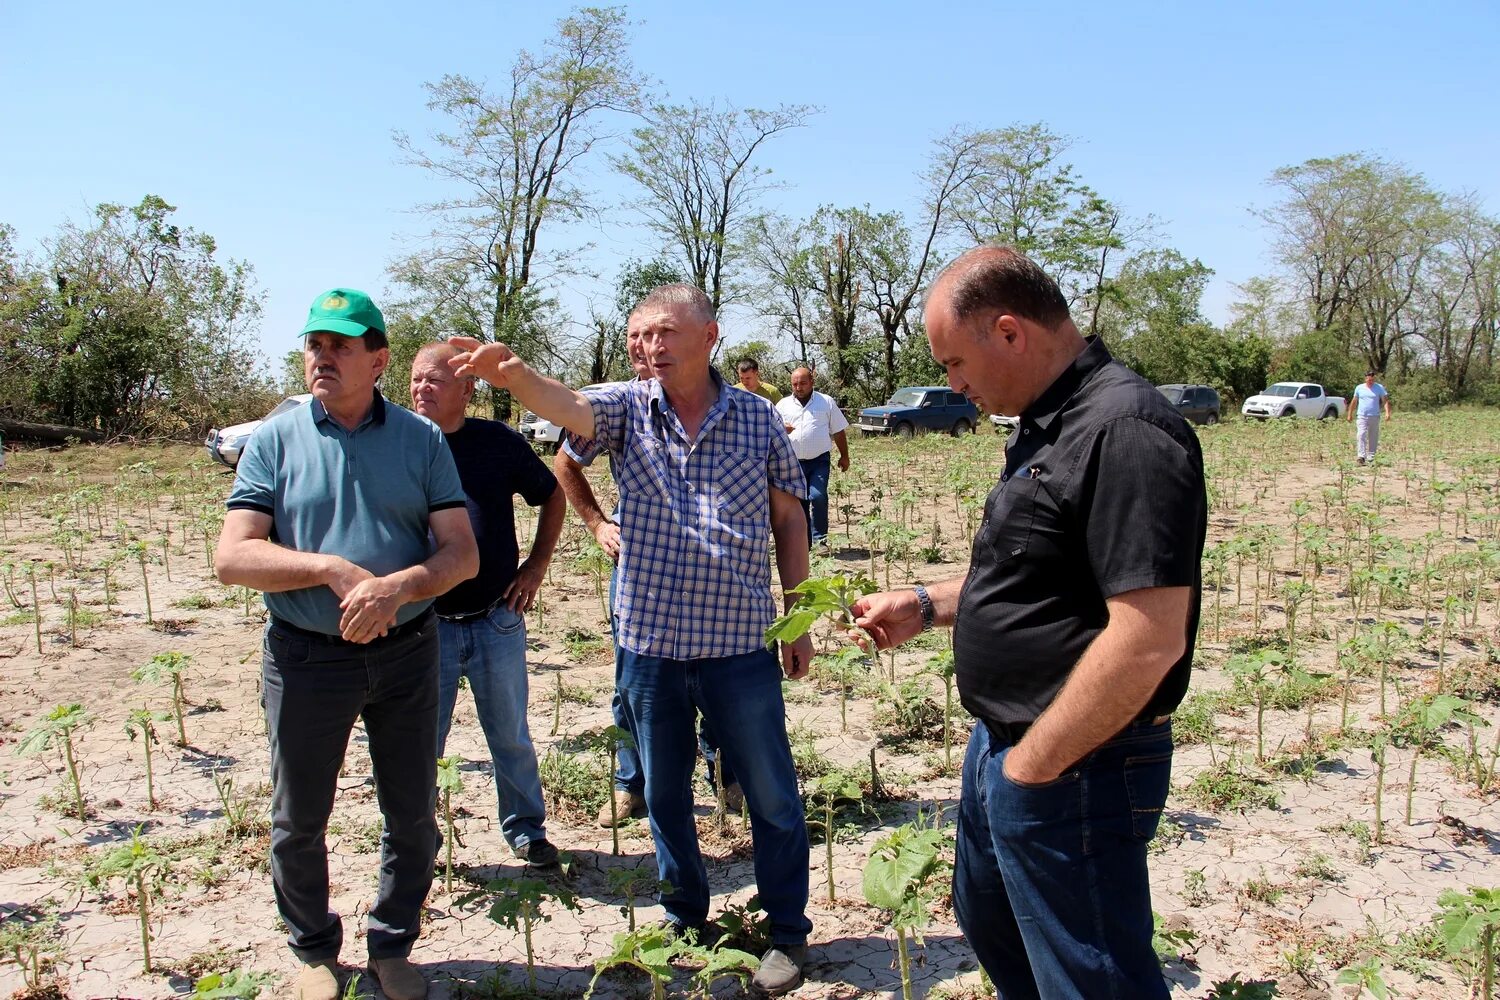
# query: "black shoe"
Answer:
x=537 y=853
x=780 y=970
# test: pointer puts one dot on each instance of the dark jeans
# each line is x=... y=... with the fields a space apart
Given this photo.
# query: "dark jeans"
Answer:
x=628 y=774
x=740 y=696
x=1050 y=884
x=314 y=690
x=815 y=470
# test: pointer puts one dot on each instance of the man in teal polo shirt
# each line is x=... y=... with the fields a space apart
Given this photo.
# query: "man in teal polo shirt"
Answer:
x=348 y=514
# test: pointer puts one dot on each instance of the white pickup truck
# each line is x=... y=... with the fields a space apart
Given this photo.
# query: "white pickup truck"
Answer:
x=1288 y=399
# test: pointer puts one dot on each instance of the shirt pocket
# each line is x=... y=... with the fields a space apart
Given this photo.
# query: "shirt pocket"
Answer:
x=1011 y=518
x=743 y=486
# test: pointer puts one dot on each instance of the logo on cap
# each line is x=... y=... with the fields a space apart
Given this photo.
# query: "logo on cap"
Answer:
x=335 y=302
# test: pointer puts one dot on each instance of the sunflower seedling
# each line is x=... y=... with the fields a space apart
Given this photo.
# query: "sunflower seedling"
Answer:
x=56 y=729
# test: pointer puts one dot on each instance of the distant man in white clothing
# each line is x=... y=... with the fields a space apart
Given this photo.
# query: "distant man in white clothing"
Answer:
x=816 y=424
x=1364 y=410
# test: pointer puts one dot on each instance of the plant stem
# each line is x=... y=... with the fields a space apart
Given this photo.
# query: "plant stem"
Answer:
x=67 y=739
x=614 y=811
x=177 y=702
x=905 y=961
x=147 y=733
x=140 y=895
x=448 y=843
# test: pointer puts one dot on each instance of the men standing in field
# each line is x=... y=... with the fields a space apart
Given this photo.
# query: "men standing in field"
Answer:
x=1369 y=398
x=1073 y=636
x=630 y=783
x=480 y=622
x=816 y=424
x=705 y=474
x=749 y=371
x=348 y=514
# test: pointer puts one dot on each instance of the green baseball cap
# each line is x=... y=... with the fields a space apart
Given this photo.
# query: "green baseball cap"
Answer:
x=343 y=310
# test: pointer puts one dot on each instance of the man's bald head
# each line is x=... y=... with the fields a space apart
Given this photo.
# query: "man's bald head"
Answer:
x=995 y=279
x=802 y=384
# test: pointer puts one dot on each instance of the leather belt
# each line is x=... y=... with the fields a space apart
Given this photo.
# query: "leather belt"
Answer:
x=1012 y=732
x=474 y=616
x=415 y=625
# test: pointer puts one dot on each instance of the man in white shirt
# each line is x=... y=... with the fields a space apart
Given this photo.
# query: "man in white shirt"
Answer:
x=816 y=424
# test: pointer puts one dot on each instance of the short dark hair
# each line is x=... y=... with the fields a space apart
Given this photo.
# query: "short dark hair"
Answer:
x=1002 y=279
x=747 y=365
x=375 y=339
x=1371 y=373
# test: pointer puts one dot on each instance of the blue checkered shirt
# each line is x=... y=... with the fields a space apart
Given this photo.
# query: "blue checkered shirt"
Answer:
x=695 y=517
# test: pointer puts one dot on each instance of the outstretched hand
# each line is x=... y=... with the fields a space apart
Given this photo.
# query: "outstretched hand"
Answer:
x=495 y=363
x=886 y=619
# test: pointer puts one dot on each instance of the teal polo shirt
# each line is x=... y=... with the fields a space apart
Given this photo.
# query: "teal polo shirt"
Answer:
x=364 y=494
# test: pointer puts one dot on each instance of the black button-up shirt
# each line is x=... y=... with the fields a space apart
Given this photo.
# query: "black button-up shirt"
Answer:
x=1102 y=493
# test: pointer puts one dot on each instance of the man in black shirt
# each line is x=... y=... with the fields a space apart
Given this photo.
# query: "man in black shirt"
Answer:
x=1073 y=636
x=481 y=630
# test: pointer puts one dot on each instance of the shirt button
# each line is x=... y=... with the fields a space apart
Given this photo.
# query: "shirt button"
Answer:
x=1025 y=430
x=1005 y=477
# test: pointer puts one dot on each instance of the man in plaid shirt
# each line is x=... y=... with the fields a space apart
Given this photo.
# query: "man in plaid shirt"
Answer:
x=706 y=475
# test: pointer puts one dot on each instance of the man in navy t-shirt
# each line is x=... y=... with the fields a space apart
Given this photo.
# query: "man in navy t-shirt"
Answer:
x=480 y=626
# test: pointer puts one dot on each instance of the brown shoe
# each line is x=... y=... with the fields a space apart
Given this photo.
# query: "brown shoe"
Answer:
x=318 y=981
x=628 y=805
x=734 y=798
x=398 y=979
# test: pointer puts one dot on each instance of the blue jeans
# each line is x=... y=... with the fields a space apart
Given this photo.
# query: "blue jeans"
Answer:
x=1050 y=882
x=815 y=470
x=740 y=696
x=313 y=690
x=628 y=774
x=491 y=653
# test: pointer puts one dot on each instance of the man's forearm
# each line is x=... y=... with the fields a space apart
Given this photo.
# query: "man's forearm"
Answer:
x=575 y=486
x=452 y=564
x=1112 y=681
x=790 y=531
x=548 y=528
x=551 y=400
x=841 y=439
x=261 y=564
x=944 y=597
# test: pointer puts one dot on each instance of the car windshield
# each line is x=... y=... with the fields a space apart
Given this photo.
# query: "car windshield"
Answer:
x=1172 y=392
x=283 y=406
x=906 y=397
x=1281 y=389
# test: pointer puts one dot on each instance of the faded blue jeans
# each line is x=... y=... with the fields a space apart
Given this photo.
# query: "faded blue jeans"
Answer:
x=1050 y=884
x=740 y=696
x=491 y=653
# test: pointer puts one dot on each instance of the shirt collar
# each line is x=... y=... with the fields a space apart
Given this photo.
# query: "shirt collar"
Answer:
x=1055 y=396
x=375 y=416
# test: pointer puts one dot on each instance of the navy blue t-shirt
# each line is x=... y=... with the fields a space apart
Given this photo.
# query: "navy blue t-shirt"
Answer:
x=494 y=464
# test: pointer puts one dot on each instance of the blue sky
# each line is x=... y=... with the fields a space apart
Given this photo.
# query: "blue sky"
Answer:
x=269 y=125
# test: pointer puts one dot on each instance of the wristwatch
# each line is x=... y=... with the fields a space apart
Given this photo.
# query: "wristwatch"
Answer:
x=924 y=602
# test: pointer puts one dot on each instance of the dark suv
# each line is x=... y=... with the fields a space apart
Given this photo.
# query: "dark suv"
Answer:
x=922 y=407
x=1198 y=403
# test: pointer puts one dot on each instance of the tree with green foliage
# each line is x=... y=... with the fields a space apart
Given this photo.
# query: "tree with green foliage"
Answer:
x=700 y=186
x=513 y=156
x=131 y=324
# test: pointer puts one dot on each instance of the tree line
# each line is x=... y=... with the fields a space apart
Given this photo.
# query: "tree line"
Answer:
x=1375 y=267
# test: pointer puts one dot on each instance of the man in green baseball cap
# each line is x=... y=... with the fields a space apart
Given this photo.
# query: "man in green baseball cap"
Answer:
x=370 y=524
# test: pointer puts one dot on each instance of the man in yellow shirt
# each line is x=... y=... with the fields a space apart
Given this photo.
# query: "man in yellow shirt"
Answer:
x=749 y=370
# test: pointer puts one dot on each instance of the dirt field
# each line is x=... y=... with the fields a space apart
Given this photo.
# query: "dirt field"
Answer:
x=1286 y=853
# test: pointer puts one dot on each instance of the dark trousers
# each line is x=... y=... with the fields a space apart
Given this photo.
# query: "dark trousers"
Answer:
x=314 y=690
x=815 y=471
x=1050 y=883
